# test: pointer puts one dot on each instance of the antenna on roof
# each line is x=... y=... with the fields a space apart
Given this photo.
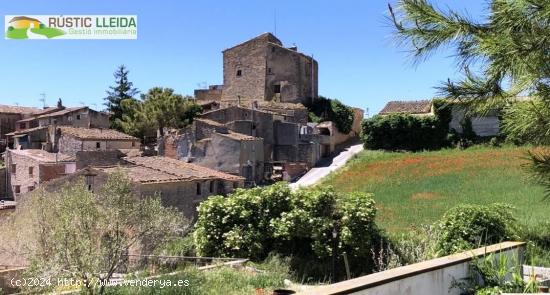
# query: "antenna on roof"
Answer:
x=43 y=99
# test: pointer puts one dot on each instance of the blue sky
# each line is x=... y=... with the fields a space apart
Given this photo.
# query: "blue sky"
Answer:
x=180 y=42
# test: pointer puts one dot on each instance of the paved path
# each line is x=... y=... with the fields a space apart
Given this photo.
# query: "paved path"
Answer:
x=315 y=174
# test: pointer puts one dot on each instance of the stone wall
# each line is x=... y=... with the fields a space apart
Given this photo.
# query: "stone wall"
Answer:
x=7 y=125
x=260 y=67
x=248 y=60
x=22 y=176
x=208 y=94
x=70 y=145
x=286 y=133
x=98 y=119
x=98 y=158
x=3 y=183
x=293 y=73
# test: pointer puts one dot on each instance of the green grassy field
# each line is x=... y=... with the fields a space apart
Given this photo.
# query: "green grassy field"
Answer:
x=417 y=188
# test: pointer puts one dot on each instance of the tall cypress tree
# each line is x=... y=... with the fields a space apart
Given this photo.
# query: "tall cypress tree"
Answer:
x=123 y=90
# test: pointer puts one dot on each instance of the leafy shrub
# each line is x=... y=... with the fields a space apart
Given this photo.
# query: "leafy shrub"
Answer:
x=494 y=275
x=10 y=28
x=538 y=242
x=325 y=109
x=408 y=132
x=255 y=222
x=342 y=116
x=469 y=226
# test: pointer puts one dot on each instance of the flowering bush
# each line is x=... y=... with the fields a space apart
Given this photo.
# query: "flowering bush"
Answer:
x=254 y=222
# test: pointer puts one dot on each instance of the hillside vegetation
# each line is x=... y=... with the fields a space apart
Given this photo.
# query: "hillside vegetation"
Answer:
x=411 y=189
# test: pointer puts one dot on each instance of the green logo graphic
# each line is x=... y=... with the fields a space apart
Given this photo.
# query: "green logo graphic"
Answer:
x=22 y=27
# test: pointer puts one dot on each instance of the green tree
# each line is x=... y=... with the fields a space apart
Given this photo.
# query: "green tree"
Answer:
x=162 y=108
x=117 y=95
x=508 y=49
x=78 y=234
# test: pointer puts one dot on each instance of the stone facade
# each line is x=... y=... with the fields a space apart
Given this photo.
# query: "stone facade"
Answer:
x=29 y=168
x=3 y=183
x=70 y=140
x=262 y=69
x=213 y=93
x=183 y=188
x=83 y=117
x=9 y=116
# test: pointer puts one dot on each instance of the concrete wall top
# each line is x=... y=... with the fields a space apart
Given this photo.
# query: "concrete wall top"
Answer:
x=399 y=273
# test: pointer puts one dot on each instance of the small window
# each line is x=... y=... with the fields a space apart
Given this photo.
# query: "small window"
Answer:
x=133 y=143
x=70 y=118
x=78 y=117
x=269 y=70
x=17 y=189
x=31 y=171
x=239 y=73
x=235 y=184
x=22 y=126
x=212 y=186
x=31 y=188
x=276 y=88
x=98 y=145
x=198 y=189
x=13 y=168
x=272 y=49
x=54 y=121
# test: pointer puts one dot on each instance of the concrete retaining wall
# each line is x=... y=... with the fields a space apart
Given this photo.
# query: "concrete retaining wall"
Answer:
x=434 y=276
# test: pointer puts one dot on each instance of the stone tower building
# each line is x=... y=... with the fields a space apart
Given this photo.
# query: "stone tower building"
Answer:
x=262 y=69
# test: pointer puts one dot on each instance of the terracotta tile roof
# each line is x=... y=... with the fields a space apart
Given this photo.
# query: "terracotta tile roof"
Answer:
x=62 y=112
x=26 y=120
x=209 y=122
x=411 y=107
x=95 y=133
x=43 y=156
x=162 y=169
x=46 y=111
x=238 y=136
x=206 y=102
x=281 y=105
x=25 y=131
x=7 y=109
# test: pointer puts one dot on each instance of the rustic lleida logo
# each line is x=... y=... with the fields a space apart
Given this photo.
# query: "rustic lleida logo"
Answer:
x=22 y=27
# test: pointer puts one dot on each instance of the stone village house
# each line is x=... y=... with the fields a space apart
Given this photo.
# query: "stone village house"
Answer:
x=9 y=116
x=483 y=125
x=259 y=125
x=180 y=185
x=49 y=152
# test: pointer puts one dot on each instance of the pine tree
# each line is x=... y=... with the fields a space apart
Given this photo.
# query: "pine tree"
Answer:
x=509 y=50
x=116 y=95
